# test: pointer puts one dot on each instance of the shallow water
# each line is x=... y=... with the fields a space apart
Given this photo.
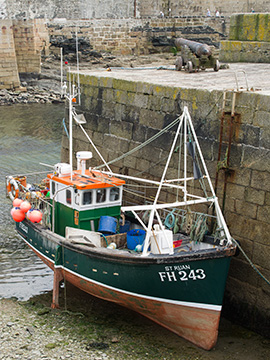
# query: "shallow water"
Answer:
x=29 y=134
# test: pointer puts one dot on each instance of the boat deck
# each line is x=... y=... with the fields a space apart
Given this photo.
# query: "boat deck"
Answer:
x=184 y=247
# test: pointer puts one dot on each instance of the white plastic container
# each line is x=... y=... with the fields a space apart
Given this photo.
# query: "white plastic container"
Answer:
x=162 y=242
x=62 y=169
x=82 y=236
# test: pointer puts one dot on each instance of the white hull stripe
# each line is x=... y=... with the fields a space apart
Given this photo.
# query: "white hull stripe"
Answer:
x=152 y=298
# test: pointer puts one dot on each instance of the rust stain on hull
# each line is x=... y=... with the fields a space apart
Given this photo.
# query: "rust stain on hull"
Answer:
x=199 y=326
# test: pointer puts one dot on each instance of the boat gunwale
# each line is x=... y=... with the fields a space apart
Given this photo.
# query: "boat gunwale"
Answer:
x=126 y=256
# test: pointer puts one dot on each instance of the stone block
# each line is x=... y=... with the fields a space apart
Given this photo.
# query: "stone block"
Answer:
x=154 y=103
x=264 y=214
x=267 y=198
x=121 y=129
x=120 y=96
x=164 y=141
x=130 y=163
x=261 y=255
x=265 y=138
x=119 y=112
x=151 y=118
x=243 y=227
x=264 y=290
x=260 y=180
x=143 y=165
x=256 y=159
x=254 y=196
x=241 y=176
x=243 y=272
x=155 y=154
x=125 y=85
x=145 y=88
x=235 y=191
x=167 y=105
x=262 y=119
x=242 y=207
x=108 y=110
x=106 y=82
x=141 y=100
x=132 y=114
x=139 y=133
x=103 y=127
x=100 y=140
x=250 y=135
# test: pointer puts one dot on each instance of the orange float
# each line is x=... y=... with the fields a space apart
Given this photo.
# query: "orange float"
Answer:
x=25 y=206
x=17 y=214
x=35 y=216
x=17 y=202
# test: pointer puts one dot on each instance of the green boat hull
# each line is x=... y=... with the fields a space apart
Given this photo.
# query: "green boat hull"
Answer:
x=183 y=293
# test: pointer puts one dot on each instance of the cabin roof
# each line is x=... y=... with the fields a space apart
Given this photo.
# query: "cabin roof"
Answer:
x=91 y=180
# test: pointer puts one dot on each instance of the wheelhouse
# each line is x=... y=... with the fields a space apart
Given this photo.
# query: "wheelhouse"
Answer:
x=81 y=199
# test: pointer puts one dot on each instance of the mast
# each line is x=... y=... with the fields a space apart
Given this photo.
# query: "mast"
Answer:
x=154 y=210
x=70 y=97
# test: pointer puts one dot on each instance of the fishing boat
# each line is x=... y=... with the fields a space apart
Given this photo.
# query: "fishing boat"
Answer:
x=166 y=260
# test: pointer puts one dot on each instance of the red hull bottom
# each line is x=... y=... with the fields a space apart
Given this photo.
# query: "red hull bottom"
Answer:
x=198 y=325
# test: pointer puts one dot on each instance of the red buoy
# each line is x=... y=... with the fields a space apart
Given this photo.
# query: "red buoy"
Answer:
x=25 y=206
x=18 y=215
x=35 y=216
x=17 y=202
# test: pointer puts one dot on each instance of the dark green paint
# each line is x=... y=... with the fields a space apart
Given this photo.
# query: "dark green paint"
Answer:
x=65 y=216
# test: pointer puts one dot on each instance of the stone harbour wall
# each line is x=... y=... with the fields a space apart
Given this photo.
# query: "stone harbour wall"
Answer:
x=138 y=36
x=249 y=39
x=121 y=114
x=9 y=77
x=108 y=9
x=30 y=38
x=22 y=43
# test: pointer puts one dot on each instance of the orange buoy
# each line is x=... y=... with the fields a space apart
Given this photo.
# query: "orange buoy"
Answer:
x=28 y=214
x=17 y=214
x=25 y=206
x=35 y=216
x=17 y=202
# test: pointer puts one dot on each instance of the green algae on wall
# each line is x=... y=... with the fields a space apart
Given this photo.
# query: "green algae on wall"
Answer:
x=250 y=27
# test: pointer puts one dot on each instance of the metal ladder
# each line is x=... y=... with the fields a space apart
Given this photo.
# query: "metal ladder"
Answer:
x=225 y=140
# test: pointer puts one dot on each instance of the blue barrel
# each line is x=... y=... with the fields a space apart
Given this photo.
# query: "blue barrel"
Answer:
x=107 y=225
x=124 y=228
x=135 y=237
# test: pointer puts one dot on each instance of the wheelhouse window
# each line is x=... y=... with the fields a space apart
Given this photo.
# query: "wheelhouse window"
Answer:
x=68 y=196
x=114 y=194
x=101 y=196
x=87 y=197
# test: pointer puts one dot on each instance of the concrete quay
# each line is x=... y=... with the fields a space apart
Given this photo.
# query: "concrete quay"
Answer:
x=254 y=76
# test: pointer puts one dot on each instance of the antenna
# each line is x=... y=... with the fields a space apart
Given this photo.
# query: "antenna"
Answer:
x=77 y=54
x=61 y=70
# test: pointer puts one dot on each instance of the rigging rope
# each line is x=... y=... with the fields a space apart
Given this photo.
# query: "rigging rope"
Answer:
x=168 y=127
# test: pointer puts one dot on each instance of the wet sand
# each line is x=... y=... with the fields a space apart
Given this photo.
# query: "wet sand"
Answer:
x=90 y=328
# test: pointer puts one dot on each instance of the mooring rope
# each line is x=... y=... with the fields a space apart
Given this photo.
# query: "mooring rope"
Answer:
x=250 y=262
